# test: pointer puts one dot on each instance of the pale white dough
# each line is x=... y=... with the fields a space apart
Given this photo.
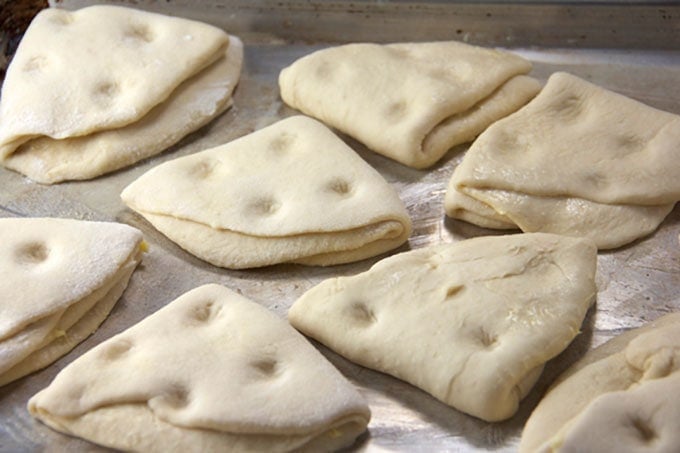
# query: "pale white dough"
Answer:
x=409 y=101
x=98 y=68
x=471 y=323
x=211 y=371
x=61 y=279
x=622 y=396
x=465 y=126
x=292 y=192
x=190 y=106
x=577 y=160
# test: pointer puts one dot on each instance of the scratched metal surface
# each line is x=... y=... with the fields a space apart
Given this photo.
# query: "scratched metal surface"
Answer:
x=636 y=283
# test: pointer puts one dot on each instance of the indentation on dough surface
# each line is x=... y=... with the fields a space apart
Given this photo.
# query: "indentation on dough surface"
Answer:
x=205 y=311
x=629 y=143
x=35 y=64
x=177 y=395
x=116 y=349
x=76 y=392
x=486 y=338
x=339 y=186
x=595 y=178
x=202 y=169
x=60 y=17
x=263 y=206
x=266 y=367
x=283 y=142
x=138 y=32
x=453 y=290
x=439 y=73
x=32 y=253
x=323 y=70
x=396 y=110
x=362 y=313
x=105 y=91
x=644 y=431
x=570 y=107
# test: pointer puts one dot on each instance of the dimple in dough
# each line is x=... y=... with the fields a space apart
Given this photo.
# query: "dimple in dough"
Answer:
x=411 y=102
x=94 y=90
x=211 y=371
x=622 y=396
x=292 y=192
x=61 y=279
x=471 y=323
x=577 y=160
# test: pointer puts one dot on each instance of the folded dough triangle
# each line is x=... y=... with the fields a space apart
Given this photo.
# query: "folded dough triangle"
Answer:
x=292 y=192
x=190 y=106
x=61 y=278
x=471 y=323
x=577 y=160
x=93 y=90
x=211 y=371
x=411 y=102
x=621 y=396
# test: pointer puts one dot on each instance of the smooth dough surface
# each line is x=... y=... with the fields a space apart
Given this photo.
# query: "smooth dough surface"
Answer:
x=211 y=371
x=190 y=106
x=471 y=323
x=61 y=278
x=622 y=396
x=577 y=160
x=292 y=192
x=98 y=68
x=411 y=102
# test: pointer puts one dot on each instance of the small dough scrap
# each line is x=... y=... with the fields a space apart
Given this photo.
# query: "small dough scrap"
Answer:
x=411 y=102
x=472 y=323
x=577 y=160
x=189 y=107
x=292 y=192
x=622 y=396
x=61 y=279
x=210 y=371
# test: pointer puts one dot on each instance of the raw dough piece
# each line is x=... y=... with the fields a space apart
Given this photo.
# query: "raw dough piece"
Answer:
x=211 y=371
x=410 y=102
x=622 y=396
x=292 y=192
x=471 y=323
x=577 y=160
x=192 y=105
x=98 y=78
x=61 y=278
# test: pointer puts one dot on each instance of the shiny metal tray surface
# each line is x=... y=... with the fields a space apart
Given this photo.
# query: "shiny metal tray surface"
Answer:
x=636 y=283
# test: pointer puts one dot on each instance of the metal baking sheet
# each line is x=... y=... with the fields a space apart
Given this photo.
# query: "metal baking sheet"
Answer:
x=637 y=283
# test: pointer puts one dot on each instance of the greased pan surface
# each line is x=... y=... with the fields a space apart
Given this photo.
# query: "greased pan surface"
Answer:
x=636 y=283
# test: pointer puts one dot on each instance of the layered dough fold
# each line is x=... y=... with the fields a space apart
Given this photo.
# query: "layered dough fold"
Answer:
x=411 y=102
x=211 y=371
x=94 y=90
x=622 y=396
x=292 y=192
x=577 y=160
x=471 y=323
x=62 y=279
